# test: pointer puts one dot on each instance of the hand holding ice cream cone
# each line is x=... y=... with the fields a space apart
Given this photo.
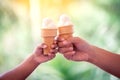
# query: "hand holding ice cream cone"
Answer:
x=48 y=33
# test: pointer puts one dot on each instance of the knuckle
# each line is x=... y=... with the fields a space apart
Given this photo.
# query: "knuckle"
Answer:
x=54 y=51
x=52 y=56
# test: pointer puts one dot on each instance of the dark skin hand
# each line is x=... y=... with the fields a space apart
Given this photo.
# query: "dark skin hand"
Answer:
x=77 y=49
x=74 y=49
x=22 y=71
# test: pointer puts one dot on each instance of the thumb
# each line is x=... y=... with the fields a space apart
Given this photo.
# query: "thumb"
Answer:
x=77 y=41
x=74 y=40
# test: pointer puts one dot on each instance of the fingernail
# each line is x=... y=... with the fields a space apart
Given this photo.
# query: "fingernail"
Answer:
x=44 y=46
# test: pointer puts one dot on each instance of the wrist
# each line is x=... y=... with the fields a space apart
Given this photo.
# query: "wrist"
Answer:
x=92 y=55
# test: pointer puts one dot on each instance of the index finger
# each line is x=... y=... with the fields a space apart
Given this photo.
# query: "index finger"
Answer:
x=60 y=39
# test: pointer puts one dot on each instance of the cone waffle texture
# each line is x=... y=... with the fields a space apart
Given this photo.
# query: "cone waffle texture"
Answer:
x=48 y=36
x=65 y=31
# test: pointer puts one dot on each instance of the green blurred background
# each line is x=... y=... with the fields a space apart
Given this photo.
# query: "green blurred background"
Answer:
x=96 y=21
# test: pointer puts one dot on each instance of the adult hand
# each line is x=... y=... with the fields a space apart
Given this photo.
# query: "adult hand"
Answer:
x=75 y=49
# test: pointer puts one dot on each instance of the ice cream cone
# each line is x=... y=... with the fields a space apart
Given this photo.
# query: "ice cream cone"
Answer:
x=65 y=27
x=48 y=33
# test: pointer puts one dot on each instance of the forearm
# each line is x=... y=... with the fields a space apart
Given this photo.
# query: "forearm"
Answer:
x=107 y=61
x=22 y=71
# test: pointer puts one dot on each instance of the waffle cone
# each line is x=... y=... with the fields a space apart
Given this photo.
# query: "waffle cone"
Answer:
x=48 y=36
x=65 y=31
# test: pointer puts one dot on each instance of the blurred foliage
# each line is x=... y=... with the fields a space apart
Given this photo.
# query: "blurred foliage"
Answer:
x=111 y=6
x=97 y=21
x=7 y=16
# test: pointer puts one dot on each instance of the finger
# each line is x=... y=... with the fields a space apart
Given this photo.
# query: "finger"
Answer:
x=40 y=48
x=55 y=42
x=43 y=45
x=60 y=39
x=53 y=51
x=65 y=43
x=53 y=46
x=51 y=56
x=65 y=49
x=71 y=53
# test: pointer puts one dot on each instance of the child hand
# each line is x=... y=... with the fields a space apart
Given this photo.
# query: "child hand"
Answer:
x=40 y=57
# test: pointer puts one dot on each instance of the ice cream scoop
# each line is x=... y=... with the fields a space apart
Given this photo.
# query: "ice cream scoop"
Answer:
x=64 y=21
x=48 y=33
x=48 y=23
